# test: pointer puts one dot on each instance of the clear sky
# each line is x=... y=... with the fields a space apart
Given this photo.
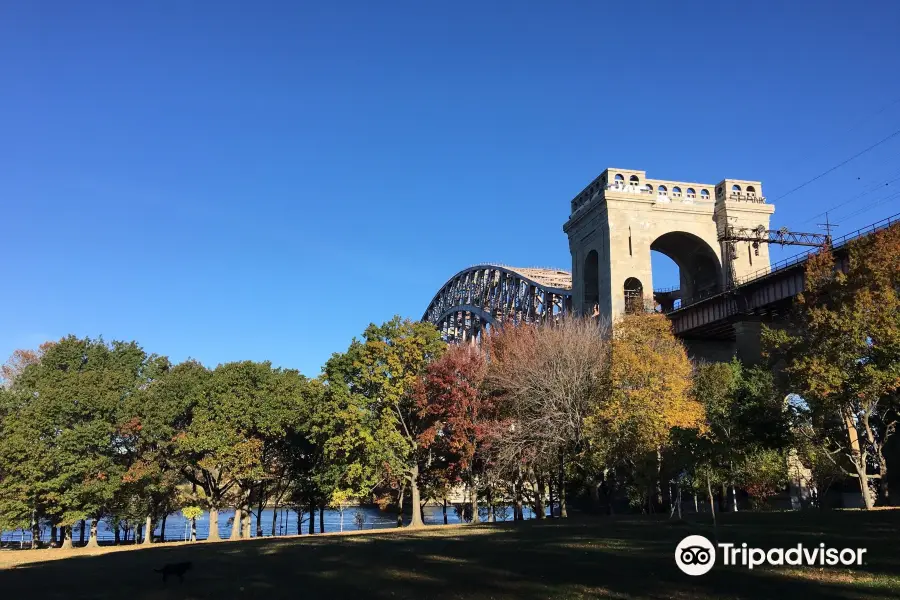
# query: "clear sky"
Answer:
x=260 y=180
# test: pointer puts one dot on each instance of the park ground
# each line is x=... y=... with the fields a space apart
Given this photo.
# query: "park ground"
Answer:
x=581 y=557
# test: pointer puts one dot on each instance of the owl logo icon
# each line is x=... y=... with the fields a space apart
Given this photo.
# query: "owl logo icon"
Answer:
x=695 y=555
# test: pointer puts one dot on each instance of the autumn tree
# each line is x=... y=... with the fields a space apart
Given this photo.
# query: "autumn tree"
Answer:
x=18 y=362
x=650 y=379
x=548 y=379
x=376 y=379
x=463 y=421
x=841 y=353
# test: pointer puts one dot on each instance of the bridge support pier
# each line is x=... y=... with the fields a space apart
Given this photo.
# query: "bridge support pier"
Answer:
x=748 y=342
x=709 y=350
x=746 y=345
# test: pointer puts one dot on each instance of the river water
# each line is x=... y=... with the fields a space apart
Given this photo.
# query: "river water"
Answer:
x=178 y=528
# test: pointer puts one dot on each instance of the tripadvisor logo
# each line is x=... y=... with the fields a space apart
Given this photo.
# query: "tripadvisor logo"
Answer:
x=696 y=555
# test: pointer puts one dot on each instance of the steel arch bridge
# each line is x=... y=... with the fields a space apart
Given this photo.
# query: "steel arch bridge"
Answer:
x=476 y=298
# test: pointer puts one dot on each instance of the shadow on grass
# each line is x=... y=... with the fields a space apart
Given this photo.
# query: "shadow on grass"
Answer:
x=581 y=557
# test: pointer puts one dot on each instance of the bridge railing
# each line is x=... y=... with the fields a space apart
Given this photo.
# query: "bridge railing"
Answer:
x=666 y=290
x=798 y=258
x=836 y=243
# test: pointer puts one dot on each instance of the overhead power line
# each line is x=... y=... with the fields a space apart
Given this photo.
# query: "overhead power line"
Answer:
x=839 y=165
x=875 y=187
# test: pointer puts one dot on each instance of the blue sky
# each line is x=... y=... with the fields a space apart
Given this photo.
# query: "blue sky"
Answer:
x=237 y=180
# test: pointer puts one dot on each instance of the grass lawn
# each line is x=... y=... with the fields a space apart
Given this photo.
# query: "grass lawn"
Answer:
x=582 y=557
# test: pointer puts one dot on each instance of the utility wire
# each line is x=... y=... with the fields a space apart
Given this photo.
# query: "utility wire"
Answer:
x=852 y=128
x=839 y=165
x=871 y=205
x=871 y=189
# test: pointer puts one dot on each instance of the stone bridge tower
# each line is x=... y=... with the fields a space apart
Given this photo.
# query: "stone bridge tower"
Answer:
x=621 y=216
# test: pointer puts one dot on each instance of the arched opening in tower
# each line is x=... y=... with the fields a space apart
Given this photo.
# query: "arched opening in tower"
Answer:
x=699 y=270
x=634 y=295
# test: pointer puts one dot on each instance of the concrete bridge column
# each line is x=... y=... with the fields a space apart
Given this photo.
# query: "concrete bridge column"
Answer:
x=748 y=342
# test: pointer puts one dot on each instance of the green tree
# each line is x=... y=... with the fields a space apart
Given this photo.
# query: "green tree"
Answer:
x=374 y=383
x=149 y=427
x=229 y=447
x=841 y=353
x=191 y=513
x=67 y=422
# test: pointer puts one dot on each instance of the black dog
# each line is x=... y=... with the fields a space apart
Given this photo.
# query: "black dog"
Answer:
x=175 y=569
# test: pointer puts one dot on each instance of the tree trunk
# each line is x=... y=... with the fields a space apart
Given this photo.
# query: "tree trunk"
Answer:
x=162 y=529
x=193 y=529
x=712 y=505
x=540 y=510
x=678 y=499
x=53 y=536
x=35 y=531
x=859 y=460
x=445 y=510
x=236 y=523
x=260 y=504
x=321 y=518
x=550 y=494
x=490 y=499
x=400 y=505
x=473 y=498
x=609 y=486
x=734 y=496
x=83 y=525
x=863 y=478
x=416 y=520
x=245 y=522
x=658 y=500
x=520 y=484
x=562 y=487
x=696 y=505
x=213 y=535
x=67 y=537
x=148 y=530
x=594 y=492
x=92 y=541
x=274 y=521
x=312 y=517
x=117 y=537
x=299 y=510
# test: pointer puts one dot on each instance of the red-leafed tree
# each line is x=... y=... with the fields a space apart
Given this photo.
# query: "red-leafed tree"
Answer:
x=20 y=359
x=463 y=419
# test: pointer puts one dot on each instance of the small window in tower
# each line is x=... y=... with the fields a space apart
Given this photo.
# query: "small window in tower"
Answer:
x=676 y=191
x=704 y=194
x=691 y=193
x=634 y=179
x=735 y=189
x=619 y=178
x=662 y=190
x=751 y=191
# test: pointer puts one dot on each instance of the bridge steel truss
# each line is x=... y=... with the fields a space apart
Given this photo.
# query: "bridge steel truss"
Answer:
x=482 y=296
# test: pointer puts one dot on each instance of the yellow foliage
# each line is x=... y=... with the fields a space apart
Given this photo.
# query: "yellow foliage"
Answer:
x=651 y=385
